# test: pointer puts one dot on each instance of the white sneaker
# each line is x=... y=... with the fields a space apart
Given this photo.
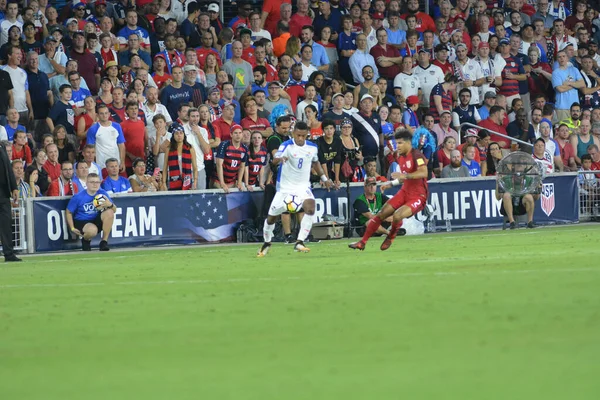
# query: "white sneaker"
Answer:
x=300 y=247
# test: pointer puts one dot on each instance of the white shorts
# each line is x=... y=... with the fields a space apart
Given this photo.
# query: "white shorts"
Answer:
x=278 y=206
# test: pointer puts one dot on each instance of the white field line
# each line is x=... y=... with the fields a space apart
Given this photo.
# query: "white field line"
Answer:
x=217 y=248
x=306 y=278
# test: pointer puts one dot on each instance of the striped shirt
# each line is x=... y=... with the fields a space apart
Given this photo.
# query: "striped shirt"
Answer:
x=255 y=164
x=510 y=87
x=234 y=158
x=438 y=90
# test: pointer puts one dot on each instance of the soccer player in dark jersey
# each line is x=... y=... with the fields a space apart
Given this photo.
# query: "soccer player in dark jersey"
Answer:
x=231 y=159
x=409 y=200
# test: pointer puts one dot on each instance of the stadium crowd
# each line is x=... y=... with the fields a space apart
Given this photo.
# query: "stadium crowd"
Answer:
x=164 y=95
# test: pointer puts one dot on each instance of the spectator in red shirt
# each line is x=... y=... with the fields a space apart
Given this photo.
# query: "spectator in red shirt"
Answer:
x=52 y=166
x=247 y=48
x=63 y=185
x=206 y=49
x=271 y=14
x=20 y=149
x=136 y=140
x=424 y=21
x=494 y=124
x=300 y=18
x=253 y=122
x=567 y=153
x=224 y=123
x=387 y=58
x=160 y=66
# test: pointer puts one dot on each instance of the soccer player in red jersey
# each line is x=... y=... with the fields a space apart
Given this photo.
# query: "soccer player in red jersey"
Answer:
x=409 y=200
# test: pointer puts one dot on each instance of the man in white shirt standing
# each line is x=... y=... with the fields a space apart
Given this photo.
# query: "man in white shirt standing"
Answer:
x=491 y=69
x=108 y=138
x=469 y=73
x=151 y=108
x=20 y=91
x=429 y=75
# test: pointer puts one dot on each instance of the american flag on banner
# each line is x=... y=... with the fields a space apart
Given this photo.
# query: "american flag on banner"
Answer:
x=213 y=217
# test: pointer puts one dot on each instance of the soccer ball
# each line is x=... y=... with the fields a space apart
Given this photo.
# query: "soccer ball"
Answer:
x=292 y=203
x=99 y=200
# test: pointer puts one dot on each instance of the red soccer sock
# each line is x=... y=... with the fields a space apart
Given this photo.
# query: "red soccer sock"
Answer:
x=372 y=226
x=394 y=229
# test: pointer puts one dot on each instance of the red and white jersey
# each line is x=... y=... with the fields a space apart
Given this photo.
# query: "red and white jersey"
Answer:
x=410 y=163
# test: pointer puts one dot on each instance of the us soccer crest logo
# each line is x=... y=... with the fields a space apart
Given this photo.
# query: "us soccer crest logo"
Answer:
x=547 y=200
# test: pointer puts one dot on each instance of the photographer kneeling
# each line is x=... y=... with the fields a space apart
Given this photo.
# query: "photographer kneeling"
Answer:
x=90 y=212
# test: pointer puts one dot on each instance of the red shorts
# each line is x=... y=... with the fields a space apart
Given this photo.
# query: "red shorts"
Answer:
x=416 y=202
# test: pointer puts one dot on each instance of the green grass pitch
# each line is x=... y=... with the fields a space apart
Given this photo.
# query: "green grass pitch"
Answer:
x=475 y=315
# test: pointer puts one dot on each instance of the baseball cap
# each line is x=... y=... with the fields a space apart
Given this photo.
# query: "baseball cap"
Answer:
x=441 y=47
x=366 y=96
x=77 y=3
x=370 y=181
x=236 y=126
x=472 y=132
x=50 y=39
x=337 y=95
x=275 y=83
x=245 y=31
x=592 y=41
x=445 y=112
x=214 y=90
x=410 y=100
x=346 y=121
x=188 y=68
x=100 y=3
x=377 y=15
x=78 y=33
x=490 y=95
x=213 y=7
x=461 y=45
x=71 y=20
x=565 y=45
x=176 y=127
x=503 y=41
x=528 y=26
x=422 y=50
x=160 y=55
x=483 y=45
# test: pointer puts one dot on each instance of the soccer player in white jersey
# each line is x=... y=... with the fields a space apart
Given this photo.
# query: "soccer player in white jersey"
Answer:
x=297 y=157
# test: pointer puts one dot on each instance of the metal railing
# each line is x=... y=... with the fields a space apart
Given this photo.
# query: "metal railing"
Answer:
x=19 y=228
x=589 y=198
x=512 y=139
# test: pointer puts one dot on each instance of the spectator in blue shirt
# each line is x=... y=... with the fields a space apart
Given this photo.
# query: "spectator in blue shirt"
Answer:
x=319 y=58
x=115 y=183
